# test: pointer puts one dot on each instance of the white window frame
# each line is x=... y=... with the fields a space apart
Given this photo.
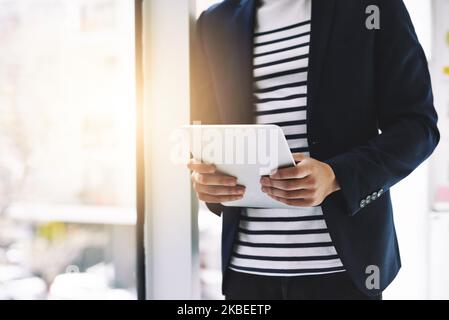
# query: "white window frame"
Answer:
x=171 y=231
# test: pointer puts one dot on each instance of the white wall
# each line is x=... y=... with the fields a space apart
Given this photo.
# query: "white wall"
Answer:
x=411 y=208
x=439 y=222
x=202 y=5
x=421 y=13
x=411 y=197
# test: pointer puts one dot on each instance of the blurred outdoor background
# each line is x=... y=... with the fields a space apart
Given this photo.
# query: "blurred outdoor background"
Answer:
x=67 y=150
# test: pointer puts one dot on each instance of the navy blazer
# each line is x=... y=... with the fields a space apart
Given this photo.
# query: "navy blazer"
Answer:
x=371 y=115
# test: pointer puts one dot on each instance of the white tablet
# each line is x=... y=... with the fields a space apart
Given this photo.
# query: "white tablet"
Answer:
x=246 y=152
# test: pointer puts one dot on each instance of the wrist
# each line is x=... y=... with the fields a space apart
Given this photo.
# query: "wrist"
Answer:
x=334 y=185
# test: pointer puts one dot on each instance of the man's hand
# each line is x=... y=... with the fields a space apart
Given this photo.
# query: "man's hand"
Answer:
x=213 y=187
x=305 y=185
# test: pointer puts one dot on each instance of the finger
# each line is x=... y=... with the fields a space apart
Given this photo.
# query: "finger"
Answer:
x=214 y=179
x=197 y=166
x=294 y=202
x=217 y=199
x=219 y=190
x=290 y=184
x=298 y=157
x=295 y=194
x=297 y=172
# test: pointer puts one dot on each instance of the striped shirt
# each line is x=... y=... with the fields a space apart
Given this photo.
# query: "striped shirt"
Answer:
x=283 y=242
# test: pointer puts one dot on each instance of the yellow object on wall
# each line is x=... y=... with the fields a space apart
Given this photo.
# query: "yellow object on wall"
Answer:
x=446 y=70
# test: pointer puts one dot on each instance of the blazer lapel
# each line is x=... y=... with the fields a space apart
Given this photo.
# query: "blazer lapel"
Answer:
x=322 y=21
x=241 y=110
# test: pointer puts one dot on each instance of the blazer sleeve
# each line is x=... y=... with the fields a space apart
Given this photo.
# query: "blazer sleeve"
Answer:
x=406 y=114
x=204 y=107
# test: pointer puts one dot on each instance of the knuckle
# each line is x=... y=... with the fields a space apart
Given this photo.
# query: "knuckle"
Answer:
x=285 y=194
x=281 y=185
x=225 y=191
x=200 y=196
x=204 y=179
x=312 y=180
x=210 y=191
x=218 y=191
x=289 y=185
x=310 y=202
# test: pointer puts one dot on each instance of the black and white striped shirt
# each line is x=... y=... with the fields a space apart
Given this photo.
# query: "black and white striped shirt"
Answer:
x=283 y=242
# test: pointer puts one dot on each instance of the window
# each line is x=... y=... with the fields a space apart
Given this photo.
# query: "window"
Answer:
x=67 y=149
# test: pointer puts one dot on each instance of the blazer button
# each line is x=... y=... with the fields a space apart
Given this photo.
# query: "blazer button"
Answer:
x=368 y=200
x=362 y=204
x=374 y=196
x=380 y=192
